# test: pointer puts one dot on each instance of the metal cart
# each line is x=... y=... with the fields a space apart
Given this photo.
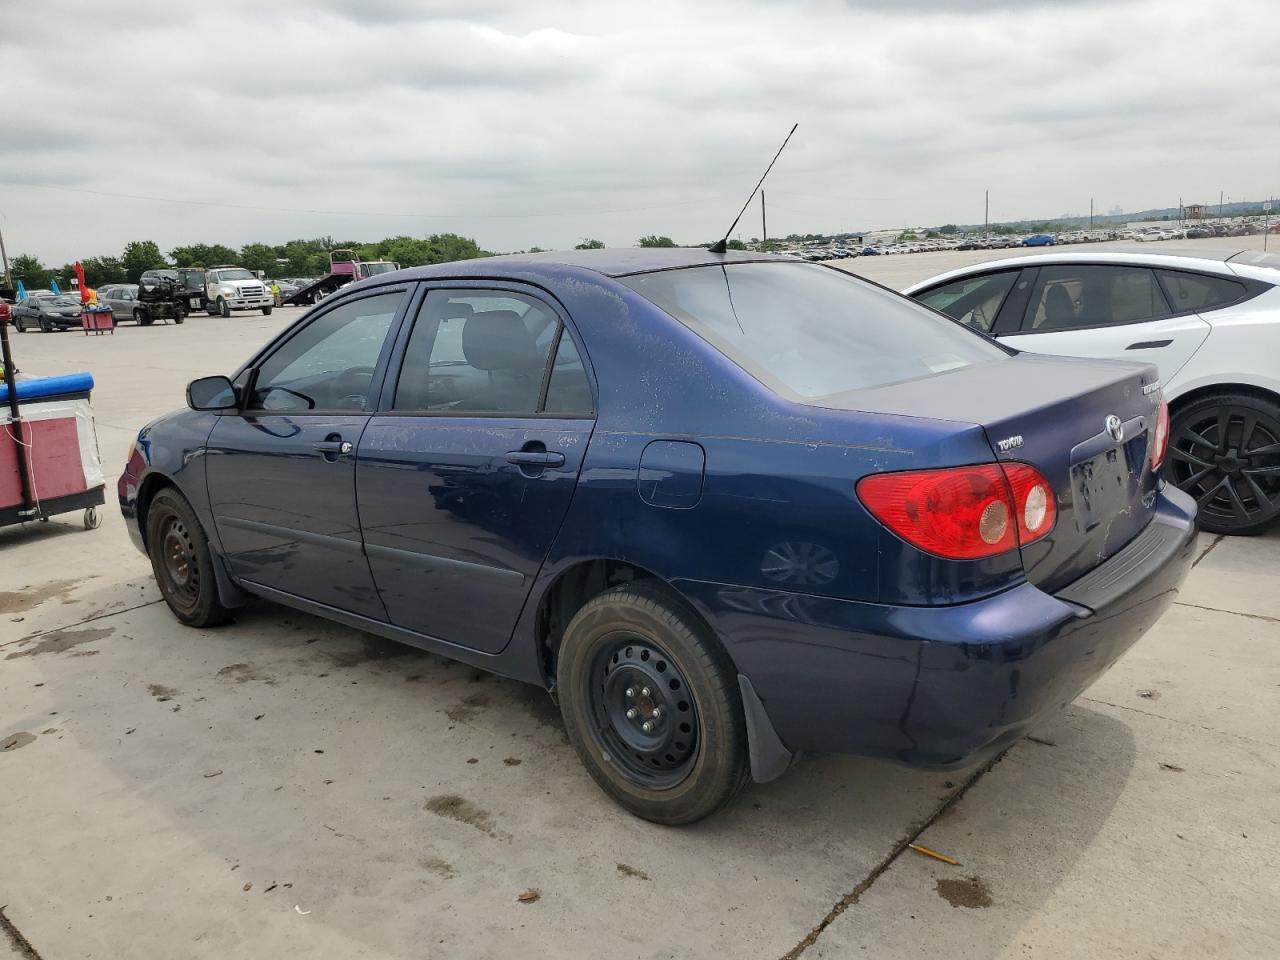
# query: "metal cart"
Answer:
x=49 y=462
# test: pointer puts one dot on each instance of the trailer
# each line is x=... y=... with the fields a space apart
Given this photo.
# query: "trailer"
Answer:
x=345 y=266
x=49 y=460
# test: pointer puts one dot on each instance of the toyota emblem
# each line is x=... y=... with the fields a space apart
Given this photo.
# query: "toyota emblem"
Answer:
x=1115 y=427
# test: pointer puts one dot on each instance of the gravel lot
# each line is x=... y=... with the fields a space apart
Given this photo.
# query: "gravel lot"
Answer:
x=286 y=787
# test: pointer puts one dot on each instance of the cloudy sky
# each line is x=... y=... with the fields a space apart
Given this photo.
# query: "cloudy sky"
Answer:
x=522 y=122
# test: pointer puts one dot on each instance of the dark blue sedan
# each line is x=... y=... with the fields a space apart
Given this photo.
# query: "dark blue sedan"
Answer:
x=725 y=508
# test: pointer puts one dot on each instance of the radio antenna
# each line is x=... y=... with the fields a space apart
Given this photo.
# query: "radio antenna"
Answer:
x=721 y=245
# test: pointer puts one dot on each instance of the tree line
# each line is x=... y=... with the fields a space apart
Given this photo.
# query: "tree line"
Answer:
x=297 y=258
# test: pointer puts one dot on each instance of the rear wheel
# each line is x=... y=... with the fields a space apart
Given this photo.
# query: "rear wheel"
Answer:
x=182 y=563
x=650 y=703
x=179 y=314
x=1224 y=450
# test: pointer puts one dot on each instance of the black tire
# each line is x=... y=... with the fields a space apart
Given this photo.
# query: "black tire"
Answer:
x=17 y=322
x=179 y=315
x=182 y=562
x=224 y=311
x=45 y=326
x=1224 y=450
x=633 y=654
x=209 y=309
x=266 y=311
x=143 y=317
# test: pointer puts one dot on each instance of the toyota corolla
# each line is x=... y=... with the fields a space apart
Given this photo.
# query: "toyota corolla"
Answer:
x=726 y=508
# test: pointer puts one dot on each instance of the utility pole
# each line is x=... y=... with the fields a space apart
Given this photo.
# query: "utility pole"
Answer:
x=1220 y=204
x=764 y=225
x=4 y=257
x=1266 y=223
x=1091 y=214
x=986 y=213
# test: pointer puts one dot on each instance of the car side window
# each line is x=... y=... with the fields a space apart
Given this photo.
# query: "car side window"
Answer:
x=973 y=301
x=1197 y=291
x=568 y=391
x=1070 y=297
x=328 y=365
x=480 y=351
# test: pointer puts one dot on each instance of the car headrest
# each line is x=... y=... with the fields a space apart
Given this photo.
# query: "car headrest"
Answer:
x=498 y=340
x=456 y=309
x=1058 y=308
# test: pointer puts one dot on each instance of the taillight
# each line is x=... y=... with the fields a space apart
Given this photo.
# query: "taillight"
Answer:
x=963 y=513
x=1160 y=442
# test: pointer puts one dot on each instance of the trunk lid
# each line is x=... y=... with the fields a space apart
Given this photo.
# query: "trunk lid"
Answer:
x=1053 y=413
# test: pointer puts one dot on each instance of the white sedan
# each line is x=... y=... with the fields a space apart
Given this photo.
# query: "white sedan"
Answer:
x=1210 y=322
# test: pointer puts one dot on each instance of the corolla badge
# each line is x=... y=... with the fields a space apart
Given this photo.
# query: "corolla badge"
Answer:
x=1115 y=427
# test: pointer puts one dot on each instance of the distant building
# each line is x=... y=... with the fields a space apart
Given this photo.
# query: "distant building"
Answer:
x=1194 y=211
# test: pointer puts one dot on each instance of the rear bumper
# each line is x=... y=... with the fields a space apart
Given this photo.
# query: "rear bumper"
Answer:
x=942 y=686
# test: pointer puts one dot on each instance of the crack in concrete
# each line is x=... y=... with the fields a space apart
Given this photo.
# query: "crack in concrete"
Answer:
x=79 y=623
x=1252 y=616
x=852 y=897
x=1207 y=550
x=1184 y=723
x=20 y=943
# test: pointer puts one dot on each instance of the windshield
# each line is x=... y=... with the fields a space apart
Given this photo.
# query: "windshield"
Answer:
x=64 y=300
x=237 y=274
x=812 y=331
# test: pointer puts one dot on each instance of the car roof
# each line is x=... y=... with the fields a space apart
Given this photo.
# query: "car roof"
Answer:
x=619 y=262
x=1221 y=261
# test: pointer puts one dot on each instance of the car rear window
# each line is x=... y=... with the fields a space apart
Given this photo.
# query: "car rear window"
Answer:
x=811 y=331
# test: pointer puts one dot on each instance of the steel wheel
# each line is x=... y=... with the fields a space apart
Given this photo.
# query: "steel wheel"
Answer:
x=180 y=563
x=642 y=712
x=1226 y=454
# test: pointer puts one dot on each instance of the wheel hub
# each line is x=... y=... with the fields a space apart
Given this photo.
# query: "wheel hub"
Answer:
x=642 y=712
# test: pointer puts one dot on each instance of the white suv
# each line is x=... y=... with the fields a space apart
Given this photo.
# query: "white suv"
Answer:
x=235 y=288
x=1210 y=320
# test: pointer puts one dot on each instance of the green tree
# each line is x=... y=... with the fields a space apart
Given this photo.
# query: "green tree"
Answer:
x=589 y=245
x=736 y=245
x=141 y=255
x=769 y=246
x=653 y=240
x=536 y=250
x=99 y=271
x=202 y=255
x=948 y=229
x=33 y=274
x=259 y=256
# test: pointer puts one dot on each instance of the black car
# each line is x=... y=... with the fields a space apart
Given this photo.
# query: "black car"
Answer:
x=47 y=312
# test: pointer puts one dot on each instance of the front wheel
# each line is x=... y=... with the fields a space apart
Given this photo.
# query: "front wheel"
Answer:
x=22 y=327
x=266 y=311
x=182 y=562
x=1224 y=450
x=650 y=703
x=224 y=310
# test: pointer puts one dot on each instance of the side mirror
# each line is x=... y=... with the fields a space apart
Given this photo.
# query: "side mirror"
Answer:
x=211 y=393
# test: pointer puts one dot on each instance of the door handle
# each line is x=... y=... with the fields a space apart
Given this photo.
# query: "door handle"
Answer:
x=336 y=447
x=1148 y=344
x=536 y=458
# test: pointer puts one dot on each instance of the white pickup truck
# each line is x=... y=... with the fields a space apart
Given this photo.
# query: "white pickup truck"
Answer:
x=235 y=288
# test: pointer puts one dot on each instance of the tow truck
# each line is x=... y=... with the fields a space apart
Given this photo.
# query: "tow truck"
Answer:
x=345 y=266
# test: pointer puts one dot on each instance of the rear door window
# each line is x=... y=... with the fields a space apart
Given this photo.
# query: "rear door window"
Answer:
x=490 y=352
x=1198 y=291
x=973 y=301
x=1071 y=297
